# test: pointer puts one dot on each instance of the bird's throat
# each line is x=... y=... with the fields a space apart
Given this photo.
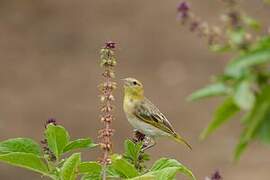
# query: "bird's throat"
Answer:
x=134 y=93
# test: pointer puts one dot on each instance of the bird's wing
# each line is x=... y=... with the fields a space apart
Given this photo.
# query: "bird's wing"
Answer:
x=149 y=113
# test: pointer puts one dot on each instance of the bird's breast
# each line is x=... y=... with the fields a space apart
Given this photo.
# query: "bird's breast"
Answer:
x=129 y=104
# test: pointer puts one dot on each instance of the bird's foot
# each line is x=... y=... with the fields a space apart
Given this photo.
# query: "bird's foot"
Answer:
x=148 y=143
x=138 y=136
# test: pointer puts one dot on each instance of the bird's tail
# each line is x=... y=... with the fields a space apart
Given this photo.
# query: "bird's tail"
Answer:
x=176 y=137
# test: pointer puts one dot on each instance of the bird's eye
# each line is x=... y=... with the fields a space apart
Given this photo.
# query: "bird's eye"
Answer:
x=135 y=83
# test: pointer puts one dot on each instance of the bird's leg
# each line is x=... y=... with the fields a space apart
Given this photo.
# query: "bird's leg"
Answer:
x=148 y=146
x=138 y=136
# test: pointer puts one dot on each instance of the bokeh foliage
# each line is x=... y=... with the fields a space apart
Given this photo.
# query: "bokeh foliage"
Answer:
x=244 y=83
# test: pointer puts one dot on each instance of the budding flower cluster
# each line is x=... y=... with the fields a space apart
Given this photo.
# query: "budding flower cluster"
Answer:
x=196 y=25
x=215 y=176
x=216 y=35
x=108 y=62
x=107 y=56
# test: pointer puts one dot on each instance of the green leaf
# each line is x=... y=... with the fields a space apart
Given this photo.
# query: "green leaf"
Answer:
x=165 y=167
x=20 y=145
x=223 y=113
x=216 y=89
x=244 y=96
x=57 y=138
x=144 y=177
x=237 y=66
x=254 y=120
x=252 y=23
x=220 y=48
x=26 y=160
x=237 y=36
x=90 y=168
x=90 y=177
x=123 y=167
x=111 y=172
x=70 y=167
x=240 y=148
x=262 y=43
x=78 y=144
x=168 y=173
x=132 y=150
x=264 y=130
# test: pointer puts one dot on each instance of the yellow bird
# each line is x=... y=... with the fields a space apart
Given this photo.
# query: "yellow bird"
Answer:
x=144 y=116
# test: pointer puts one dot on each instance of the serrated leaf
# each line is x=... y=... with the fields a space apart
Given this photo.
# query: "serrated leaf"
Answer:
x=20 y=145
x=244 y=96
x=123 y=167
x=26 y=160
x=70 y=167
x=216 y=89
x=79 y=144
x=165 y=167
x=223 y=113
x=236 y=66
x=57 y=138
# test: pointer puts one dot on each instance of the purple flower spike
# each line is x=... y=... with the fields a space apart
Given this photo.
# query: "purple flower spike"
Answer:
x=110 y=45
x=51 y=121
x=183 y=7
x=216 y=176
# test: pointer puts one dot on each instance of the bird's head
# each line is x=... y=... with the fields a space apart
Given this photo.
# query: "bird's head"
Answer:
x=133 y=87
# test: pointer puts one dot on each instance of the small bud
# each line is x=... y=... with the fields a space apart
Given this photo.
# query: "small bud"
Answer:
x=106 y=109
x=204 y=29
x=102 y=98
x=44 y=141
x=248 y=37
x=194 y=26
x=183 y=7
x=216 y=176
x=110 y=45
x=50 y=121
x=102 y=145
x=111 y=97
x=102 y=119
x=108 y=161
x=216 y=30
x=234 y=18
x=112 y=75
x=183 y=12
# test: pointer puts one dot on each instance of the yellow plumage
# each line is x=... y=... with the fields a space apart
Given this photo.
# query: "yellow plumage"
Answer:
x=145 y=116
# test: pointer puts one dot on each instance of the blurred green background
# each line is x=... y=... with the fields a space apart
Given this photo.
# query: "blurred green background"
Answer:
x=49 y=68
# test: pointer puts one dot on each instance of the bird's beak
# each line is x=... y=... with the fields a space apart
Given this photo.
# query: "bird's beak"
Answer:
x=124 y=80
